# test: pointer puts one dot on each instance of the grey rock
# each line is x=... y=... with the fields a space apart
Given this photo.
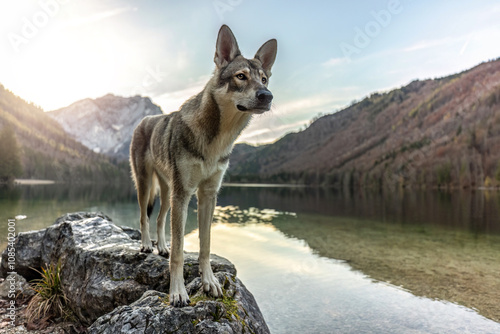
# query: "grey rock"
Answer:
x=75 y=216
x=103 y=271
x=131 y=232
x=152 y=313
x=27 y=248
x=17 y=285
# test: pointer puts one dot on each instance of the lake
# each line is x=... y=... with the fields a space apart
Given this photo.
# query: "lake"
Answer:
x=323 y=261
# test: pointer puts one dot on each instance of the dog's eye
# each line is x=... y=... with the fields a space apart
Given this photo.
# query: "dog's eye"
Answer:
x=241 y=76
x=264 y=80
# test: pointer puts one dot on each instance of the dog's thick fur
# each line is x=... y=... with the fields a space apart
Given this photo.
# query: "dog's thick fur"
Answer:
x=186 y=152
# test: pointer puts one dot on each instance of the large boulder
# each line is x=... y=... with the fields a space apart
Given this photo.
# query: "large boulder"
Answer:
x=236 y=312
x=103 y=271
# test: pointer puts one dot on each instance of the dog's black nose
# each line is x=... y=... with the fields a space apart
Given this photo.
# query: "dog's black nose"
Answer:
x=264 y=96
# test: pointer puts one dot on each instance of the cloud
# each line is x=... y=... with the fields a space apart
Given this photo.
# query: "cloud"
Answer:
x=426 y=44
x=292 y=115
x=97 y=16
x=325 y=100
x=466 y=44
x=269 y=130
x=335 y=61
x=171 y=101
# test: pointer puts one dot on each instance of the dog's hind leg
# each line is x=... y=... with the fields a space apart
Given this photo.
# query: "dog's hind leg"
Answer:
x=144 y=179
x=179 y=201
x=146 y=188
x=165 y=205
x=207 y=196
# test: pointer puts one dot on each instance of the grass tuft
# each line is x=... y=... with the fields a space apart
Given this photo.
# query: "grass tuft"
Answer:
x=49 y=302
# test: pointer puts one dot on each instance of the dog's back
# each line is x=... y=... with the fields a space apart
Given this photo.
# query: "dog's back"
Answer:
x=140 y=147
x=141 y=142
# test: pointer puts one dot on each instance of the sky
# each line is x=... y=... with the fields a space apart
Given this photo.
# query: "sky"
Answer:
x=330 y=53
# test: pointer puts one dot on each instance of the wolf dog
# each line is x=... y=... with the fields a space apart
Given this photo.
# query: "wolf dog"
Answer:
x=187 y=152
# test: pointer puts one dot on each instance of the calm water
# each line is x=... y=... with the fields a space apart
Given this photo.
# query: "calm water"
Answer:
x=268 y=234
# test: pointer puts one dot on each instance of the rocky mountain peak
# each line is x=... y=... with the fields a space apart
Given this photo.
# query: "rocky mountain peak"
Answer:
x=105 y=125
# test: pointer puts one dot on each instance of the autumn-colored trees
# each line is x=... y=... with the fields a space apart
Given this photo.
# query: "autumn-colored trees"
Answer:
x=433 y=133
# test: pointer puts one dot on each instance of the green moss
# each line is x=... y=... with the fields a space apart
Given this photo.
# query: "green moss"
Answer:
x=231 y=307
x=199 y=298
x=229 y=303
x=165 y=300
x=226 y=306
x=120 y=278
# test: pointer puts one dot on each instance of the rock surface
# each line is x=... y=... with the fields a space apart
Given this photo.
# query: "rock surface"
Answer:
x=103 y=271
x=27 y=246
x=17 y=285
x=235 y=313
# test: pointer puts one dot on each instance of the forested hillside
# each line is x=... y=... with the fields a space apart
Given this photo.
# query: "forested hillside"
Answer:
x=432 y=133
x=47 y=152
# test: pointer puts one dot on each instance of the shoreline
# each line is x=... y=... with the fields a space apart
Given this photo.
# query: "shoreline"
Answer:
x=277 y=185
x=356 y=190
x=31 y=182
x=263 y=185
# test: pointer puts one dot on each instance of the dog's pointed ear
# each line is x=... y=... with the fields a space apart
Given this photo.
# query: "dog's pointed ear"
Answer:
x=267 y=54
x=226 y=48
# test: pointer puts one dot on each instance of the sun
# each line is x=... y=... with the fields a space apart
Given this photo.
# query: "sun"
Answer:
x=65 y=57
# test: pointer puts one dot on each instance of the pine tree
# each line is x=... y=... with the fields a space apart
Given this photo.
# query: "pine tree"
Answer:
x=10 y=161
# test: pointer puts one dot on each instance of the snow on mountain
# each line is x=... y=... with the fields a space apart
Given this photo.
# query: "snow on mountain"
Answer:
x=105 y=125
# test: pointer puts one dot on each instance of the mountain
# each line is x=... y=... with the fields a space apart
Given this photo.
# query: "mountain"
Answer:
x=105 y=125
x=47 y=151
x=431 y=133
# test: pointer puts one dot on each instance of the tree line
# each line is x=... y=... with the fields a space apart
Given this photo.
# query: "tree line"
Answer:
x=10 y=159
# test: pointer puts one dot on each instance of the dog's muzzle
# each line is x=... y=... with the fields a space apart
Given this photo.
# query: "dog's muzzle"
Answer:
x=264 y=96
x=262 y=102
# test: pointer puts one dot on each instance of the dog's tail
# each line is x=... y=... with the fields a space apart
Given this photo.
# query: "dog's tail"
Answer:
x=152 y=194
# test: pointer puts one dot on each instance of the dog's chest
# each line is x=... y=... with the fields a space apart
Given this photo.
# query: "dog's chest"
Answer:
x=195 y=171
x=212 y=167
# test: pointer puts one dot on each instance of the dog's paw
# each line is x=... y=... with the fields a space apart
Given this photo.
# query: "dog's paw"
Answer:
x=178 y=293
x=163 y=251
x=147 y=249
x=179 y=298
x=211 y=284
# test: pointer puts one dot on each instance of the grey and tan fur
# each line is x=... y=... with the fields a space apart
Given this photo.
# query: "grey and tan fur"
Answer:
x=187 y=152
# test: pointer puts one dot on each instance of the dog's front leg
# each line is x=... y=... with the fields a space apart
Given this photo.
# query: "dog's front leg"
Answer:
x=206 y=206
x=178 y=215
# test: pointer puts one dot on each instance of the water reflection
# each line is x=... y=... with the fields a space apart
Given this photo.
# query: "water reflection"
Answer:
x=284 y=242
x=477 y=211
x=474 y=211
x=300 y=292
x=40 y=205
